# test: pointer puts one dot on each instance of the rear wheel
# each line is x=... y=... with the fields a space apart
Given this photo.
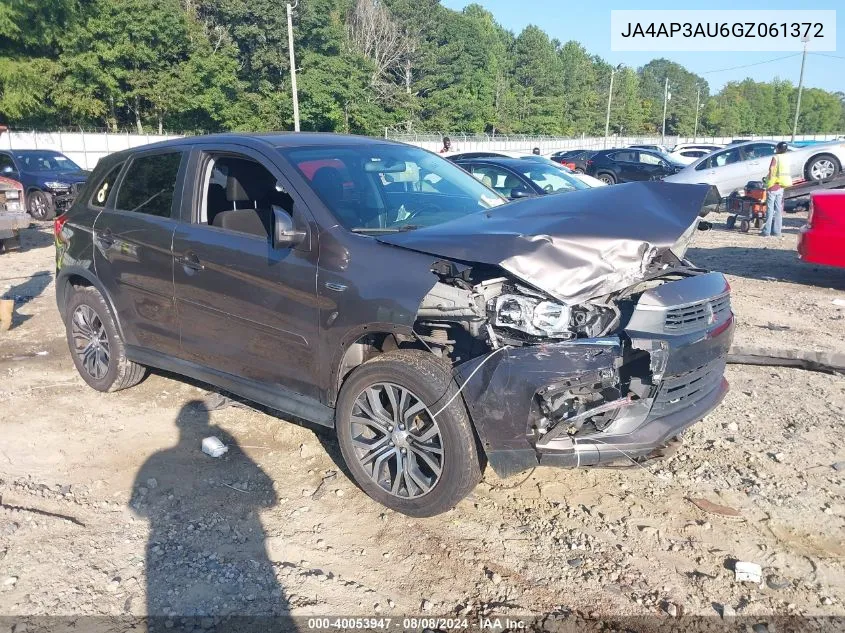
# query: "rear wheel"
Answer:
x=40 y=205
x=731 y=221
x=404 y=445
x=95 y=346
x=822 y=167
x=744 y=225
x=607 y=178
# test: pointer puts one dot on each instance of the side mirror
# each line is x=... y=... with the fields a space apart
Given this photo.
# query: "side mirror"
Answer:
x=284 y=233
x=520 y=192
x=8 y=169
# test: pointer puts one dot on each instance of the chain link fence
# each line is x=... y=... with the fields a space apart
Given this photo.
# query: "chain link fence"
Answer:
x=463 y=142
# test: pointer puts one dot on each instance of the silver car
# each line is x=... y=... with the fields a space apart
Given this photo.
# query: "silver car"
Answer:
x=730 y=168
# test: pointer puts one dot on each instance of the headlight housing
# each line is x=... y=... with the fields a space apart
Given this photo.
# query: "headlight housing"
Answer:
x=533 y=316
x=13 y=194
x=57 y=185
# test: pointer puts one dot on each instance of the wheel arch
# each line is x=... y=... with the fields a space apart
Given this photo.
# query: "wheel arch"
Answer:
x=360 y=345
x=73 y=277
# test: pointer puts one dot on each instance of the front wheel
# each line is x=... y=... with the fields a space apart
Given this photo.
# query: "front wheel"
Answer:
x=40 y=205
x=405 y=435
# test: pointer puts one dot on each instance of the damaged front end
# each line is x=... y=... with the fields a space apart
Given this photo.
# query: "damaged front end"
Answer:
x=582 y=379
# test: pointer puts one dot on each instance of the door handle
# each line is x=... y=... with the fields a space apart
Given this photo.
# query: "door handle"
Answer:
x=106 y=239
x=191 y=261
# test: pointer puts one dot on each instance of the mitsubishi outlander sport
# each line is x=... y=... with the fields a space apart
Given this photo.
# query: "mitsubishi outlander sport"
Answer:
x=380 y=290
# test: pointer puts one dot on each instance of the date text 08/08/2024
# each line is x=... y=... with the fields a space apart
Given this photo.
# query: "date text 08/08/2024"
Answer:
x=416 y=624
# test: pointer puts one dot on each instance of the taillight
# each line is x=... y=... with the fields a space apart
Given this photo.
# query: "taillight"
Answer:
x=58 y=224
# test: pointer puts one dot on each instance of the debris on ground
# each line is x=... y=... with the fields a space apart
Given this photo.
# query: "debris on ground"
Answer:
x=748 y=572
x=213 y=446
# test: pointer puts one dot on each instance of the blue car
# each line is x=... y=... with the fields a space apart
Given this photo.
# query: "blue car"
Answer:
x=49 y=178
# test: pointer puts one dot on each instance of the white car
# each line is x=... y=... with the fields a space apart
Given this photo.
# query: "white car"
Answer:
x=733 y=166
x=687 y=153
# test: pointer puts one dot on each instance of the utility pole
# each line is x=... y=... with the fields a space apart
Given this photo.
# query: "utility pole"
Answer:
x=293 y=66
x=806 y=40
x=665 y=101
x=609 y=99
x=697 y=109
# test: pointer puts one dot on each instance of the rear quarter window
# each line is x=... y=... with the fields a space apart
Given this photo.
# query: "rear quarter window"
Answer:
x=105 y=186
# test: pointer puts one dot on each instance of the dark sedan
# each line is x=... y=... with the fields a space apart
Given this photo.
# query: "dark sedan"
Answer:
x=574 y=159
x=49 y=179
x=630 y=164
x=516 y=178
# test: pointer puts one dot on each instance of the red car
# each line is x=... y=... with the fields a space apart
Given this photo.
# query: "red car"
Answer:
x=823 y=237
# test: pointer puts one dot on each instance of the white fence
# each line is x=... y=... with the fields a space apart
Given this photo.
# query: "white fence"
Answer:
x=86 y=148
x=550 y=144
x=83 y=148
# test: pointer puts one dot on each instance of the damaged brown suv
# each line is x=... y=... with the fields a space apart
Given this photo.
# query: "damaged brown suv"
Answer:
x=380 y=290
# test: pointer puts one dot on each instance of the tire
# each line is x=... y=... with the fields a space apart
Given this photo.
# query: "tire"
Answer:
x=428 y=386
x=40 y=205
x=822 y=167
x=744 y=225
x=88 y=317
x=578 y=170
x=730 y=222
x=607 y=178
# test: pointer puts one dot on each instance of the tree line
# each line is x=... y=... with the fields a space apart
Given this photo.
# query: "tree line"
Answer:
x=362 y=66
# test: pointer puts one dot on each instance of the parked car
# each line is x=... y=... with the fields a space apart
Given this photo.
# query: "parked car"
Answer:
x=730 y=168
x=13 y=218
x=49 y=178
x=391 y=297
x=588 y=180
x=629 y=165
x=576 y=160
x=822 y=238
x=516 y=178
x=687 y=153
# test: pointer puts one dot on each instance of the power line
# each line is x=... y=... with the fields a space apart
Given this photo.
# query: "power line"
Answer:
x=768 y=61
x=827 y=55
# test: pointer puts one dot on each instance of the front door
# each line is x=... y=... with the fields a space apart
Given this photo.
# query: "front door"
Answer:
x=245 y=308
x=132 y=240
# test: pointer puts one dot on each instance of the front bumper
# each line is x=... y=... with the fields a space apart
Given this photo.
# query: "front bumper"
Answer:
x=670 y=359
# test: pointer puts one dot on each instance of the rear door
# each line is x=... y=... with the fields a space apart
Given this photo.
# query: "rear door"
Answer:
x=245 y=308
x=627 y=165
x=724 y=169
x=132 y=248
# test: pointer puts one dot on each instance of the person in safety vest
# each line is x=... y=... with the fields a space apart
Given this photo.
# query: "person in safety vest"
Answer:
x=778 y=179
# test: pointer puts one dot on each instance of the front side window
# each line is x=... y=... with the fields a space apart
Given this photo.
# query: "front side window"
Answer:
x=149 y=183
x=501 y=180
x=101 y=194
x=239 y=195
x=373 y=188
x=649 y=159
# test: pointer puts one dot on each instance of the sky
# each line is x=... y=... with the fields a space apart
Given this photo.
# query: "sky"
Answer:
x=589 y=23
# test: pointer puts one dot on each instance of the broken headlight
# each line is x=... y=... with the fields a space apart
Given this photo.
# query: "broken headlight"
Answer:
x=533 y=316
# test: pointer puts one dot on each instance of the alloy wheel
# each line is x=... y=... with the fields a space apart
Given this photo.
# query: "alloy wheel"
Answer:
x=90 y=341
x=822 y=169
x=37 y=205
x=397 y=440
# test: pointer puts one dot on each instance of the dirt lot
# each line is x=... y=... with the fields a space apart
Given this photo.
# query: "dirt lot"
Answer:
x=110 y=508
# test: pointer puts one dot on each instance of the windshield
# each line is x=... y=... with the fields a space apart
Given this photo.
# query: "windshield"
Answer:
x=551 y=179
x=388 y=188
x=45 y=161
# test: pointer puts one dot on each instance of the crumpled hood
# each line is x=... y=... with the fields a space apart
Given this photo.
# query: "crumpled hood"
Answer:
x=574 y=246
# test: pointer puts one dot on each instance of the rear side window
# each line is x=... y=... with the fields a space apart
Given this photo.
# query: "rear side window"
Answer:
x=149 y=184
x=101 y=194
x=624 y=157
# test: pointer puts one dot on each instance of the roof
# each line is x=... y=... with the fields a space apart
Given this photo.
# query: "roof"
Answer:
x=511 y=163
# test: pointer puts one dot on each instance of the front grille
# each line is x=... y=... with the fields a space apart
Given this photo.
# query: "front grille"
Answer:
x=697 y=316
x=683 y=390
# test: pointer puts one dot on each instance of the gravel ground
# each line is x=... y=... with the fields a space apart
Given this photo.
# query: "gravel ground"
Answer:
x=109 y=508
